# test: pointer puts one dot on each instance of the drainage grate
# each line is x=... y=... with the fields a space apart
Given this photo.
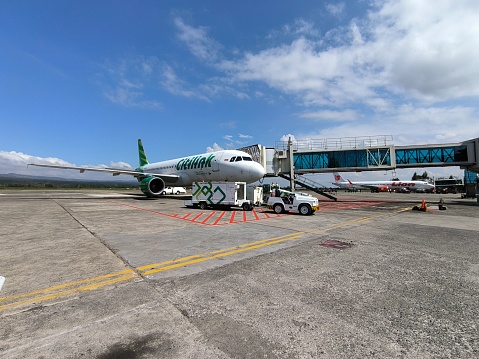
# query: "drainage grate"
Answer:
x=336 y=244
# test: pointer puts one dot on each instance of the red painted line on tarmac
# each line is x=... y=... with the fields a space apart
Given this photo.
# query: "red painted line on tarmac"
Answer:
x=265 y=213
x=219 y=218
x=198 y=216
x=208 y=217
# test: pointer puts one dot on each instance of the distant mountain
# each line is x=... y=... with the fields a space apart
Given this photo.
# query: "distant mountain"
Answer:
x=18 y=180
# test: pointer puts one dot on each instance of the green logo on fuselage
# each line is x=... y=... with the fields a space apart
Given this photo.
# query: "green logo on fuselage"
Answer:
x=194 y=162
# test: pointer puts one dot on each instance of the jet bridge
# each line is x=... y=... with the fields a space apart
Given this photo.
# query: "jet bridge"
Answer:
x=354 y=154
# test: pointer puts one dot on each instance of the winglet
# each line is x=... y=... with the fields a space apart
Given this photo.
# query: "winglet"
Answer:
x=142 y=154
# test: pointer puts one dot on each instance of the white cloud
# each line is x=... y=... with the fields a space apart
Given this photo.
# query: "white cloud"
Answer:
x=177 y=86
x=129 y=81
x=17 y=162
x=197 y=40
x=336 y=9
x=286 y=138
x=407 y=69
x=121 y=165
x=215 y=147
x=329 y=115
x=403 y=70
x=423 y=53
x=301 y=27
x=410 y=125
x=233 y=142
x=429 y=50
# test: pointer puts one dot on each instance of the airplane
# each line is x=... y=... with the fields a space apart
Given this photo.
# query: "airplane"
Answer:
x=381 y=186
x=218 y=166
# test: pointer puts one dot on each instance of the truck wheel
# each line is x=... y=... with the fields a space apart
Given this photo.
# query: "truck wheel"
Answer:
x=305 y=210
x=278 y=209
x=246 y=206
x=203 y=205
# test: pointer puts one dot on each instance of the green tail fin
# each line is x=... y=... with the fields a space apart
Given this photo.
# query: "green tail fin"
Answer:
x=141 y=152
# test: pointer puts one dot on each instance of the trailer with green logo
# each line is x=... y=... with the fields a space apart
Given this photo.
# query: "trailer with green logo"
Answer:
x=219 y=194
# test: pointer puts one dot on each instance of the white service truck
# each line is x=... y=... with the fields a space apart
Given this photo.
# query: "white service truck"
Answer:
x=219 y=194
x=285 y=201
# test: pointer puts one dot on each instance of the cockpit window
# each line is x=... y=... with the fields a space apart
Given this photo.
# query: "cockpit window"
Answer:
x=239 y=158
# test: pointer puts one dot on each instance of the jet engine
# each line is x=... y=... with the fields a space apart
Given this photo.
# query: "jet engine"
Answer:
x=152 y=186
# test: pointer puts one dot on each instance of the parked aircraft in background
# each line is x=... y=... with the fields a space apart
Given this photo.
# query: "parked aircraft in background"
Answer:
x=382 y=186
x=225 y=165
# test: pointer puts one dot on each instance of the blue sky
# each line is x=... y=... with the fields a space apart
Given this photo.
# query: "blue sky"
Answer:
x=81 y=81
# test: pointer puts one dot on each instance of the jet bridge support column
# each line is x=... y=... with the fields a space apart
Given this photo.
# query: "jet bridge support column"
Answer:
x=291 y=164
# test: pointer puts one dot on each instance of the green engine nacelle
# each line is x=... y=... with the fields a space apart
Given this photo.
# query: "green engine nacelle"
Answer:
x=152 y=186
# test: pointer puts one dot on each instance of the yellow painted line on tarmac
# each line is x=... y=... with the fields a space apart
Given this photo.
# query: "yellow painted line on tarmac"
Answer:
x=71 y=284
x=94 y=283
x=216 y=252
x=182 y=262
x=42 y=298
x=358 y=220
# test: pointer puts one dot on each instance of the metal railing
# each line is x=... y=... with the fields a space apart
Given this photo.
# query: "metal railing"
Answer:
x=337 y=143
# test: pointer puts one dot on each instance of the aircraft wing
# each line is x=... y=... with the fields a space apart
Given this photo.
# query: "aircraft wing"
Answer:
x=113 y=171
x=341 y=184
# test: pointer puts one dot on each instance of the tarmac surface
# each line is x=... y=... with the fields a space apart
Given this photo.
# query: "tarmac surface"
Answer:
x=111 y=274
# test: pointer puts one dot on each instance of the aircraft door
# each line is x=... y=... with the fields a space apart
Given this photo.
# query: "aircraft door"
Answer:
x=215 y=163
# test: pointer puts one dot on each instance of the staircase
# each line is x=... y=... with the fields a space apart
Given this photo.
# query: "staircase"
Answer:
x=311 y=185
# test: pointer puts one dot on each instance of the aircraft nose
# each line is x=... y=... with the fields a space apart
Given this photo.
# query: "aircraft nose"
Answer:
x=256 y=171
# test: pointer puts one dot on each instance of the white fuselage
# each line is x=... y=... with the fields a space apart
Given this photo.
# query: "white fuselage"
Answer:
x=412 y=185
x=226 y=165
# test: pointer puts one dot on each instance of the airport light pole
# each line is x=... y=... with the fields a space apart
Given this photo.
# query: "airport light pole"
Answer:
x=291 y=164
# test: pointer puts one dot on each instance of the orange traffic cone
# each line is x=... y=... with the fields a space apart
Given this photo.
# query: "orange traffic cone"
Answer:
x=424 y=205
